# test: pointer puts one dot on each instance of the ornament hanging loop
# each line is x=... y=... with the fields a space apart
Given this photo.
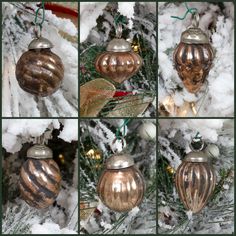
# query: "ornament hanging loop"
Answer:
x=195 y=20
x=118 y=144
x=119 y=31
x=197 y=144
x=38 y=31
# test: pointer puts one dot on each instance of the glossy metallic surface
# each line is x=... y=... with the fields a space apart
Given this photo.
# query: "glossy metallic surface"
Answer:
x=39 y=72
x=118 y=45
x=39 y=182
x=119 y=161
x=39 y=152
x=194 y=36
x=195 y=183
x=118 y=66
x=40 y=43
x=121 y=190
x=193 y=63
x=196 y=157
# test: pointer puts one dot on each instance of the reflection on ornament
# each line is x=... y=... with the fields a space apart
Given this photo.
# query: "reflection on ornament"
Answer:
x=39 y=71
x=121 y=185
x=40 y=177
x=170 y=169
x=193 y=57
x=87 y=209
x=119 y=62
x=94 y=154
x=195 y=179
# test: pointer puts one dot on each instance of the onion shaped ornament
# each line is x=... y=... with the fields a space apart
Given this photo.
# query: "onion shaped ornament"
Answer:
x=119 y=62
x=195 y=180
x=121 y=186
x=40 y=177
x=39 y=71
x=193 y=57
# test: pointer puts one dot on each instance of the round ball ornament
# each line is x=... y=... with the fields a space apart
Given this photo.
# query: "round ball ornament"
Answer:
x=195 y=180
x=39 y=71
x=39 y=177
x=147 y=131
x=121 y=186
x=193 y=57
x=119 y=62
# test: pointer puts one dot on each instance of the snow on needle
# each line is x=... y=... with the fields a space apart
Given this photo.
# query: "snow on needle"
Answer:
x=189 y=10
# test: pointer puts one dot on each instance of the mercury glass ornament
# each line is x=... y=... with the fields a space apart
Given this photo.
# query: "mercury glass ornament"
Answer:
x=39 y=71
x=39 y=177
x=193 y=57
x=121 y=185
x=195 y=180
x=119 y=62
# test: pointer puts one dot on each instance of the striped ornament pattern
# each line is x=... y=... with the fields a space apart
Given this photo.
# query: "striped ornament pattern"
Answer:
x=193 y=63
x=118 y=66
x=39 y=72
x=195 y=182
x=121 y=190
x=39 y=182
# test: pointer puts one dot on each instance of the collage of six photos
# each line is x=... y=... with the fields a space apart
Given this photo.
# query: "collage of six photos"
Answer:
x=150 y=147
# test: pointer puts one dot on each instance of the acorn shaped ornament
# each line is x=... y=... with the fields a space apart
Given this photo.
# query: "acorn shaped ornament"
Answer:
x=195 y=179
x=40 y=177
x=121 y=186
x=193 y=57
x=119 y=62
x=39 y=71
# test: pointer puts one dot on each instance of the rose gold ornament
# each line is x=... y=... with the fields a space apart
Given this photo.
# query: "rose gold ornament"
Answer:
x=193 y=57
x=119 y=62
x=195 y=180
x=39 y=71
x=121 y=185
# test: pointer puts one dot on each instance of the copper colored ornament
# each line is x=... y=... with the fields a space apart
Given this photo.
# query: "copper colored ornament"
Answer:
x=39 y=177
x=39 y=71
x=121 y=185
x=193 y=57
x=94 y=95
x=195 y=181
x=119 y=62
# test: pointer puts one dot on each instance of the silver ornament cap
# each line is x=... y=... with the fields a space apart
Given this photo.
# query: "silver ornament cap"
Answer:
x=194 y=36
x=39 y=151
x=119 y=161
x=118 y=45
x=196 y=157
x=40 y=43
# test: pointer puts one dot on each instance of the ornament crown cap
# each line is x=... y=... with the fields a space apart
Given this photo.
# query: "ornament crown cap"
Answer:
x=118 y=45
x=40 y=43
x=39 y=151
x=194 y=35
x=196 y=157
x=119 y=161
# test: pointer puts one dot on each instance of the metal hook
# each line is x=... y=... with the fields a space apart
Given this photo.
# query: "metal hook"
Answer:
x=123 y=143
x=37 y=31
x=195 y=20
x=119 y=31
